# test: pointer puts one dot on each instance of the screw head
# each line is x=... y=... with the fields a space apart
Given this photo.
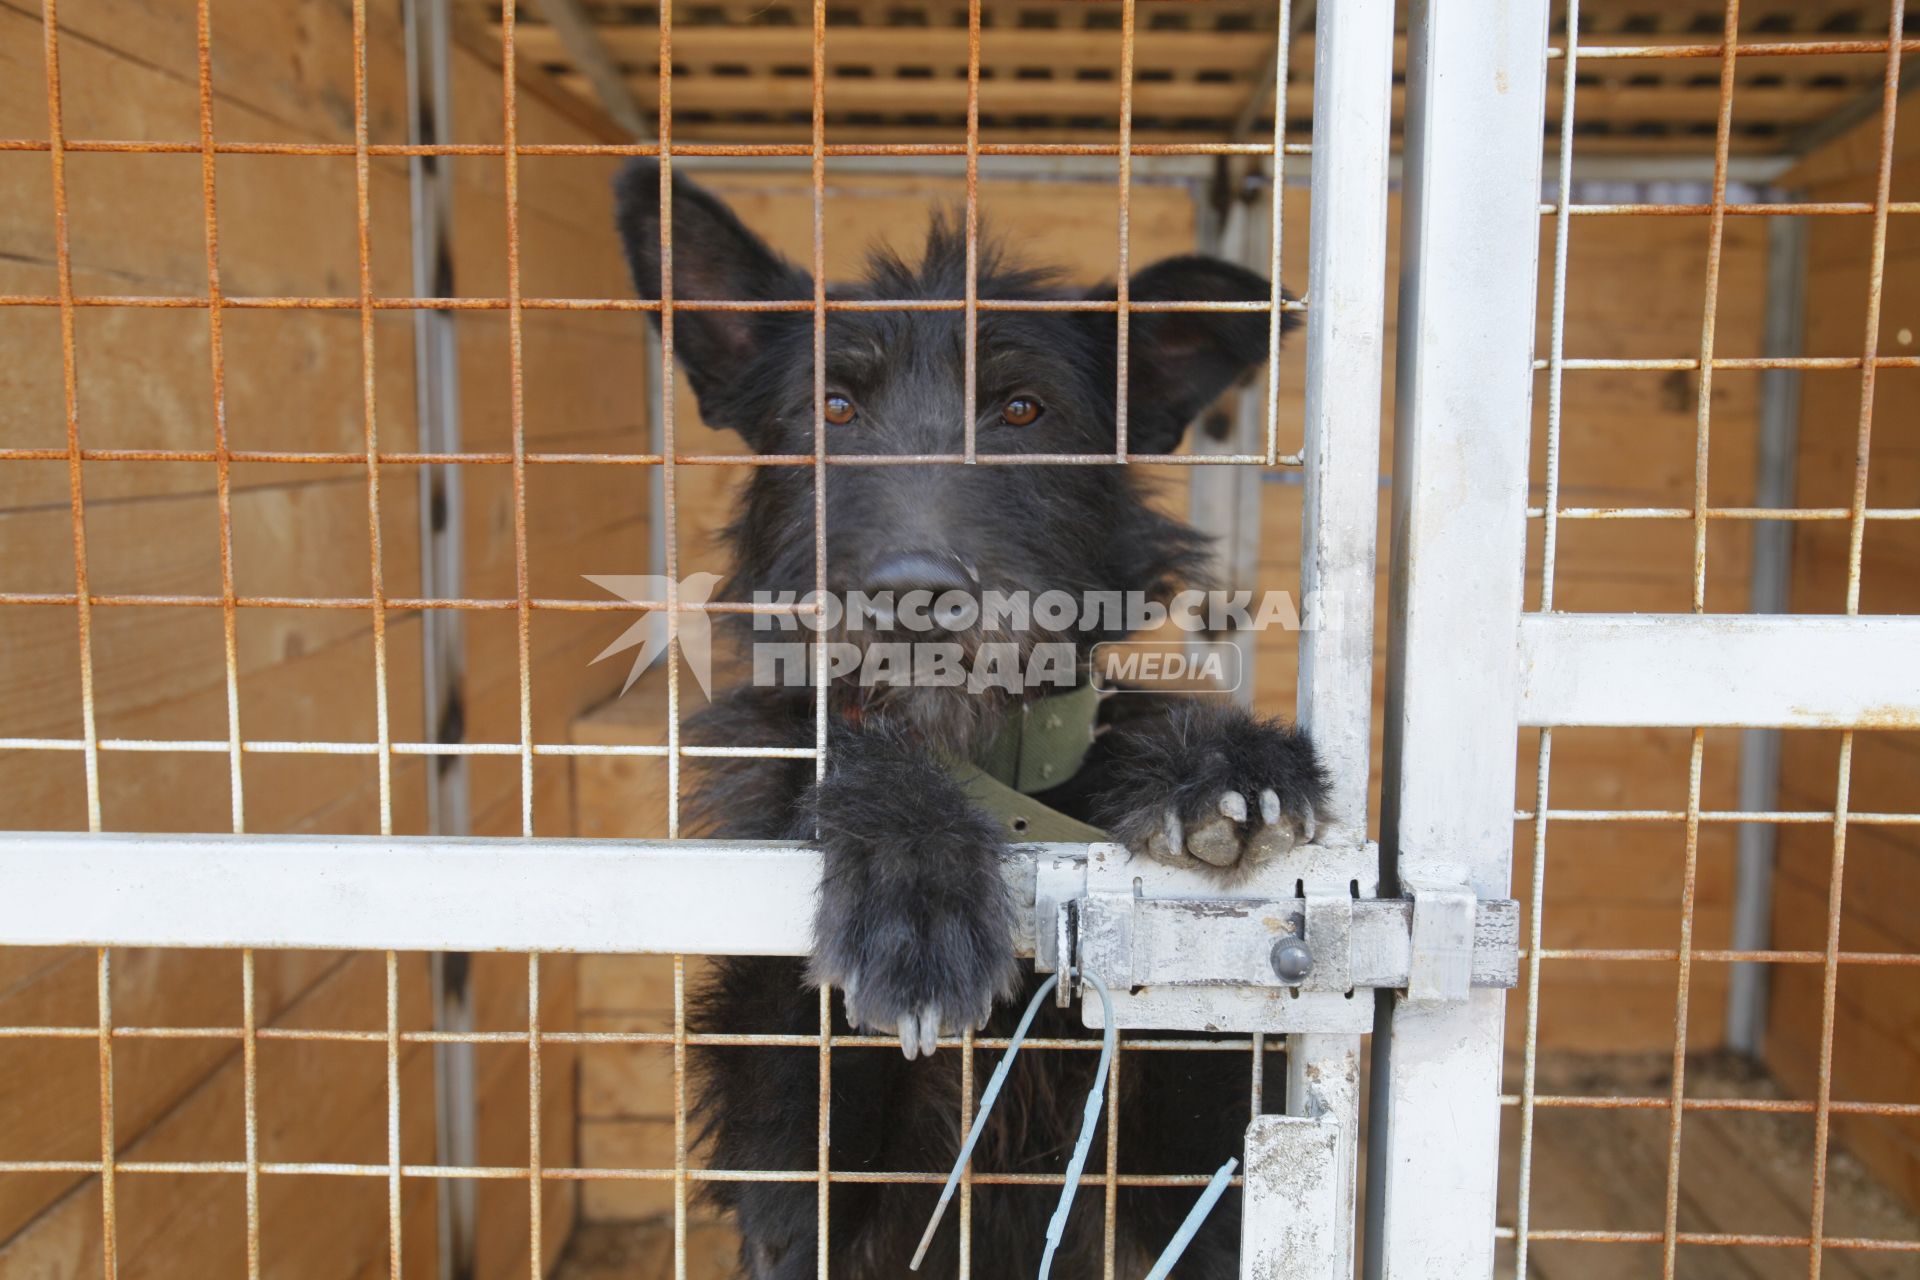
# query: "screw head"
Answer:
x=1292 y=960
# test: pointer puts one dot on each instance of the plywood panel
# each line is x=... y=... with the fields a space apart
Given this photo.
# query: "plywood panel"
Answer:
x=318 y=1103
x=282 y=73
x=1876 y=1051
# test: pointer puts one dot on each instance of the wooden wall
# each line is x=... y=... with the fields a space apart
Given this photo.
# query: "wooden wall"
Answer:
x=282 y=73
x=1635 y=288
x=1876 y=1049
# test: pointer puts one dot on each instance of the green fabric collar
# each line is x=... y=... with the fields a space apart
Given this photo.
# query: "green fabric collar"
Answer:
x=1044 y=742
x=1041 y=746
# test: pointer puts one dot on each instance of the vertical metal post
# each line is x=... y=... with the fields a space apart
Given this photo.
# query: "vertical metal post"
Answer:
x=437 y=401
x=1772 y=572
x=442 y=631
x=1346 y=309
x=1476 y=80
x=1346 y=292
x=1292 y=1224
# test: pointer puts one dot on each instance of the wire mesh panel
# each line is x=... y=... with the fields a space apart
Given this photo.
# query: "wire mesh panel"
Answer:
x=1630 y=1146
x=1681 y=1247
x=402 y=469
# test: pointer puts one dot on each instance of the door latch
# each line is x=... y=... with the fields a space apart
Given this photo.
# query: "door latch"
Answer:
x=1266 y=956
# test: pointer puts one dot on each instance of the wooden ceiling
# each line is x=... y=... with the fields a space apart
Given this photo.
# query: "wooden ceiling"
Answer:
x=1050 y=70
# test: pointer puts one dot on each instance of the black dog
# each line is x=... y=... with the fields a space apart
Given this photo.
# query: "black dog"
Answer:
x=914 y=921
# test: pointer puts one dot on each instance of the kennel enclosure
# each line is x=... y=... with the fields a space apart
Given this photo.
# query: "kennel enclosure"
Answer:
x=1471 y=671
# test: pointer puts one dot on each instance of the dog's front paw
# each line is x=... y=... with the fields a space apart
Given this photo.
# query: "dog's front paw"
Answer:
x=915 y=919
x=915 y=966
x=1230 y=833
x=918 y=995
x=1215 y=787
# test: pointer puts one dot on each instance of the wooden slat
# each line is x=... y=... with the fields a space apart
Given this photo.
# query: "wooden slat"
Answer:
x=1679 y=144
x=725 y=56
x=1623 y=106
x=316 y=1103
x=756 y=53
x=761 y=48
x=1740 y=1172
x=905 y=96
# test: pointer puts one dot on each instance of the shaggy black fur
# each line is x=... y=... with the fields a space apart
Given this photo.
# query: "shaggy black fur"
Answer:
x=914 y=924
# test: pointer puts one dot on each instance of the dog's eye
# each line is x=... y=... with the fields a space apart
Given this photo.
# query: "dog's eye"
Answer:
x=1021 y=411
x=839 y=409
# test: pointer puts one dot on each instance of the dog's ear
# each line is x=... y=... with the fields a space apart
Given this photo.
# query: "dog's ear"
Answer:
x=715 y=259
x=1182 y=360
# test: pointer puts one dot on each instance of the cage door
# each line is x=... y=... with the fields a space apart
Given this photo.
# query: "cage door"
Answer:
x=1475 y=101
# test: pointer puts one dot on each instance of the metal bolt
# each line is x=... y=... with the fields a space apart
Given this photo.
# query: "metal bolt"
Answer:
x=1292 y=960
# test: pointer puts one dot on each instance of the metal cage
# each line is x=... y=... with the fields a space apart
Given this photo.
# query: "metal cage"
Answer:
x=1470 y=667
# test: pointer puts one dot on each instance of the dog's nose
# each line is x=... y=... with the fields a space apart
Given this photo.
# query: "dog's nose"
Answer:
x=934 y=572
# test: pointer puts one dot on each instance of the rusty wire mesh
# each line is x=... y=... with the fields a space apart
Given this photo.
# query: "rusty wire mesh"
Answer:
x=368 y=303
x=524 y=604
x=1701 y=513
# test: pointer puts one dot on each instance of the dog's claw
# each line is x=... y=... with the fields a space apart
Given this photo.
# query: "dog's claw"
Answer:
x=929 y=1031
x=918 y=1027
x=919 y=1032
x=1244 y=828
x=1269 y=807
x=1168 y=843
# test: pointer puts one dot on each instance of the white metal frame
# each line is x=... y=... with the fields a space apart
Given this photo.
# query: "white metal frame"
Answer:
x=1773 y=670
x=407 y=893
x=1476 y=84
x=446 y=893
x=1352 y=134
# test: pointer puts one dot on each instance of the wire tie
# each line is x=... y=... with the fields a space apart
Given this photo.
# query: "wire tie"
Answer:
x=1056 y=1227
